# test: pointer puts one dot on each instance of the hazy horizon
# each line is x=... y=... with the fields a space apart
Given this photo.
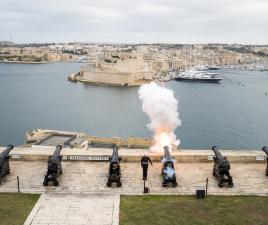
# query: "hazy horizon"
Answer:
x=132 y=43
x=142 y=21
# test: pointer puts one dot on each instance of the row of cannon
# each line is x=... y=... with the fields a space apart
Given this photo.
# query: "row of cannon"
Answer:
x=221 y=168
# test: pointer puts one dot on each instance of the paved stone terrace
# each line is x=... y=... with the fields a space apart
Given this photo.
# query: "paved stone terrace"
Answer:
x=66 y=209
x=91 y=178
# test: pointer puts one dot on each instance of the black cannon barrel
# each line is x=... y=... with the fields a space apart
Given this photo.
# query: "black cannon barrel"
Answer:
x=54 y=168
x=265 y=149
x=7 y=150
x=4 y=154
x=56 y=155
x=167 y=154
x=58 y=150
x=216 y=152
x=115 y=157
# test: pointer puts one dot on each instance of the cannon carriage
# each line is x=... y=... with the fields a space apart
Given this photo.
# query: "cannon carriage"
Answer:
x=54 y=168
x=221 y=169
x=265 y=149
x=4 y=162
x=168 y=171
x=114 y=169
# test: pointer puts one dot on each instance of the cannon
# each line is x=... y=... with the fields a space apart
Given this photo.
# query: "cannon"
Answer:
x=168 y=171
x=54 y=168
x=4 y=162
x=221 y=169
x=114 y=169
x=265 y=149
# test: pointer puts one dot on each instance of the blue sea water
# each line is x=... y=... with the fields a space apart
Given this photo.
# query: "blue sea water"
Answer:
x=232 y=114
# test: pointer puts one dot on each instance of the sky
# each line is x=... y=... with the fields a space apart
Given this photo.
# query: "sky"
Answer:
x=135 y=21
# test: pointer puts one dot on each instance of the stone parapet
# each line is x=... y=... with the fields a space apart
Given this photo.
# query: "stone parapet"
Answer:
x=41 y=153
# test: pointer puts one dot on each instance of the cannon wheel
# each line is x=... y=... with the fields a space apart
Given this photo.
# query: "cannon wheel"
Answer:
x=119 y=184
x=214 y=173
x=45 y=183
x=174 y=182
x=230 y=183
x=56 y=183
x=109 y=184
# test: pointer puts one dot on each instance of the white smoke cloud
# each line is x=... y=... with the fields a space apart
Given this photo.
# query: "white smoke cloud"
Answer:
x=161 y=106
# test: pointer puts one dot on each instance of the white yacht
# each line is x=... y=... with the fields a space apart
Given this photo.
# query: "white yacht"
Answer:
x=198 y=76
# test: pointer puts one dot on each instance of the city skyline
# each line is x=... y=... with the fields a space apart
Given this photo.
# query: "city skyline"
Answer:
x=119 y=21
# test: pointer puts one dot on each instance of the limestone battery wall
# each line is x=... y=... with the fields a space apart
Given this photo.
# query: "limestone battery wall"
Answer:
x=41 y=153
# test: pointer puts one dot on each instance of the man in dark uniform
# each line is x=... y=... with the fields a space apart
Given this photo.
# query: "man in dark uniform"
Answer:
x=144 y=164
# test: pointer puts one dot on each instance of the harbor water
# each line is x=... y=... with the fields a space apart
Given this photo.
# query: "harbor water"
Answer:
x=232 y=114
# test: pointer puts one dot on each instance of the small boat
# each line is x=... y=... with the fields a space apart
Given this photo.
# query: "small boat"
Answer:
x=201 y=68
x=213 y=67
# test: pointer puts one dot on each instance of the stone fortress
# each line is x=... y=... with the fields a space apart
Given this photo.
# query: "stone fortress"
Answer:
x=117 y=69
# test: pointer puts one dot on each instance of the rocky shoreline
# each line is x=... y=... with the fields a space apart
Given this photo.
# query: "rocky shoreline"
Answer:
x=24 y=62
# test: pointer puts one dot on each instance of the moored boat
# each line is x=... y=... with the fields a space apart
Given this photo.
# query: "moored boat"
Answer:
x=213 y=67
x=198 y=76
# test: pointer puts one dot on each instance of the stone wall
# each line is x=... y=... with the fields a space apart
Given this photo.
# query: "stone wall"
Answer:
x=41 y=153
x=115 y=78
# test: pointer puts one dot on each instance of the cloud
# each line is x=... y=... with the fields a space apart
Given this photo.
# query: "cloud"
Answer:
x=146 y=8
x=191 y=21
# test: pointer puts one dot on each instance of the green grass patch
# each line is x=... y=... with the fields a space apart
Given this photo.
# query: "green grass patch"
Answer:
x=15 y=208
x=187 y=210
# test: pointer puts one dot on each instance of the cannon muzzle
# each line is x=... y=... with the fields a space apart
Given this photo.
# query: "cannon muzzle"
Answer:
x=4 y=156
x=217 y=153
x=265 y=149
x=6 y=151
x=10 y=147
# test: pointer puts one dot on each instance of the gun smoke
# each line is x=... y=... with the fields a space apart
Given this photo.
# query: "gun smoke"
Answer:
x=161 y=106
